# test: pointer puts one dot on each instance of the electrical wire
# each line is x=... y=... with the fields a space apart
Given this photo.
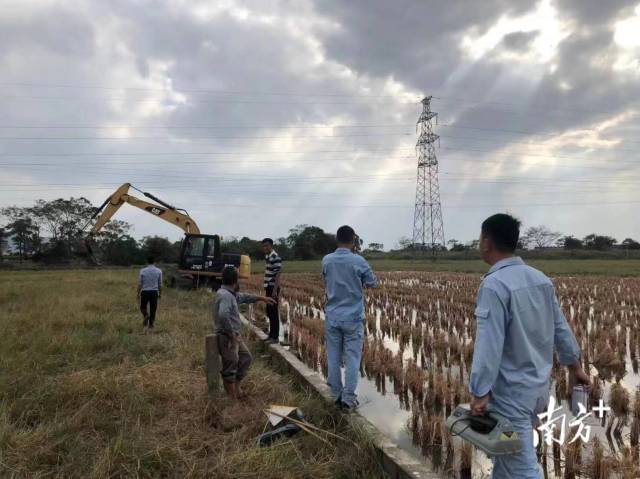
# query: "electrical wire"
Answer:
x=211 y=91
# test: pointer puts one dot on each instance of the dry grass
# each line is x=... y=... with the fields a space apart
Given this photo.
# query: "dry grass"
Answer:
x=84 y=394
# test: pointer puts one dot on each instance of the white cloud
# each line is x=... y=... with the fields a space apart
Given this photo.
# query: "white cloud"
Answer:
x=542 y=22
x=320 y=120
x=627 y=39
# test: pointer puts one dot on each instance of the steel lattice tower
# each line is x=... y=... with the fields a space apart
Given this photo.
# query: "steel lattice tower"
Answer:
x=428 y=229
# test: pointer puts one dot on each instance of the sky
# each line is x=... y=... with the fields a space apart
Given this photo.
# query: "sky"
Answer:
x=257 y=116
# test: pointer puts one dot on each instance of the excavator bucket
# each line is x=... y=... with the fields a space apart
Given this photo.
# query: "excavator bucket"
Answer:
x=86 y=250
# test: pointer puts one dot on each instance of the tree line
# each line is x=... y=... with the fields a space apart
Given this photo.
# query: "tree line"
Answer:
x=54 y=232
x=541 y=237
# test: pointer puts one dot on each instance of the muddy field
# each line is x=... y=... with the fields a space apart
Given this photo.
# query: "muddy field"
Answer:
x=418 y=353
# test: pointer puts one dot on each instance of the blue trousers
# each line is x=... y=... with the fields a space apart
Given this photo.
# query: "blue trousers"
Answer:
x=522 y=412
x=523 y=465
x=344 y=340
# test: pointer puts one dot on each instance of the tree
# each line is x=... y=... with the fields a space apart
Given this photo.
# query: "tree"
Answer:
x=63 y=219
x=540 y=237
x=310 y=242
x=473 y=245
x=375 y=247
x=4 y=242
x=251 y=247
x=630 y=243
x=246 y=245
x=455 y=245
x=116 y=246
x=25 y=235
x=571 y=243
x=283 y=248
x=160 y=248
x=60 y=221
x=404 y=243
x=598 y=242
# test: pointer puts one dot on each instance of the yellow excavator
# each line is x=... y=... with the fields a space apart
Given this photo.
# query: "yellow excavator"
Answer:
x=201 y=259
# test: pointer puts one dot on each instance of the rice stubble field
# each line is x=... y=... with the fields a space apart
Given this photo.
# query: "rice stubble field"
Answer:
x=419 y=347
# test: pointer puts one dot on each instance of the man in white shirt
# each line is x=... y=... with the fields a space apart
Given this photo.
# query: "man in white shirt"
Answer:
x=149 y=289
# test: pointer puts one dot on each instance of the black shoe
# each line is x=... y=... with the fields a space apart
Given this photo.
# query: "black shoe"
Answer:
x=272 y=341
x=347 y=408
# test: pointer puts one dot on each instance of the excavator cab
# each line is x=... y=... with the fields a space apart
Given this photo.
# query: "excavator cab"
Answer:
x=202 y=259
x=199 y=251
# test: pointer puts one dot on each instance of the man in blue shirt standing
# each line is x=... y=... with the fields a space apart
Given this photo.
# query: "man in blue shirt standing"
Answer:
x=149 y=289
x=345 y=275
x=519 y=325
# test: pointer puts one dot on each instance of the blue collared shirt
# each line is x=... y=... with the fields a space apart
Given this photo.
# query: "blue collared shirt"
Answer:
x=150 y=278
x=519 y=324
x=345 y=275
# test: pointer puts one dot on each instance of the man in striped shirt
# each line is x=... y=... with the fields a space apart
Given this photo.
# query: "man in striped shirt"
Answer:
x=272 y=269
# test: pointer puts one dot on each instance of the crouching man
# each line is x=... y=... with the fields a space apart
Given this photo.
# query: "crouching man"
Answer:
x=236 y=358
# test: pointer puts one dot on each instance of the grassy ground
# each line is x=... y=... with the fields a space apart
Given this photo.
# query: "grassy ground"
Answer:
x=84 y=394
x=614 y=267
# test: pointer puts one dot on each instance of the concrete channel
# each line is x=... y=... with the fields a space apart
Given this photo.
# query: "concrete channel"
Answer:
x=396 y=462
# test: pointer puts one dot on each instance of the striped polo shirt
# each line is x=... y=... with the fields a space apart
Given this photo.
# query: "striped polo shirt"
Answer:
x=273 y=266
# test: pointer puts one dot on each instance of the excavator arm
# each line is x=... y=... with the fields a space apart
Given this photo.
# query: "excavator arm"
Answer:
x=162 y=210
x=200 y=256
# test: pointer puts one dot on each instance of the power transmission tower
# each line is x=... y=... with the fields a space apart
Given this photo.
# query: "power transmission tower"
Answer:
x=428 y=230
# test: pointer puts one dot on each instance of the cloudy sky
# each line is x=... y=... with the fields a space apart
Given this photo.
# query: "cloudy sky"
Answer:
x=256 y=116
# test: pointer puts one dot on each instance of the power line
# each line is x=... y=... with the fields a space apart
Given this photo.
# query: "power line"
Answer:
x=198 y=100
x=407 y=207
x=532 y=155
x=523 y=105
x=192 y=101
x=369 y=154
x=213 y=153
x=203 y=127
x=41 y=187
x=281 y=102
x=271 y=127
x=177 y=90
x=190 y=140
x=210 y=162
x=293 y=162
x=382 y=178
x=461 y=206
x=268 y=127
x=226 y=137
x=156 y=160
x=196 y=90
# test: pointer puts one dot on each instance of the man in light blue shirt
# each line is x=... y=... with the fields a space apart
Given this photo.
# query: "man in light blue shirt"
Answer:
x=149 y=289
x=345 y=275
x=519 y=325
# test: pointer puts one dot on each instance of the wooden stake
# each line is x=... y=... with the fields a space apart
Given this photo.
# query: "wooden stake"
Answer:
x=212 y=364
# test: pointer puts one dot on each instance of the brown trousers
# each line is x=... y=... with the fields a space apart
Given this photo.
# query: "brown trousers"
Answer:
x=236 y=358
